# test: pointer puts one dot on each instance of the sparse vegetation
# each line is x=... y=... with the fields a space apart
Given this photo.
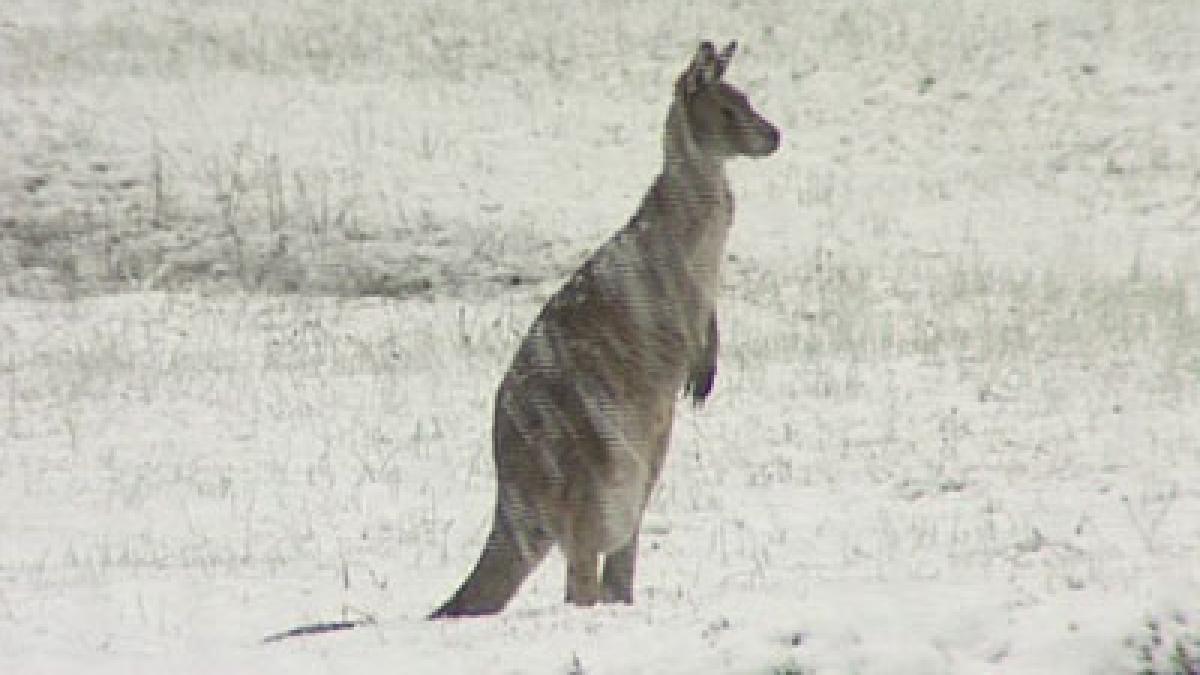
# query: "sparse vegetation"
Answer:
x=1168 y=646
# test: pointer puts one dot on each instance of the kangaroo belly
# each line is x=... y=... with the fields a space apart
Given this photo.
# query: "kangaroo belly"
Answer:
x=625 y=447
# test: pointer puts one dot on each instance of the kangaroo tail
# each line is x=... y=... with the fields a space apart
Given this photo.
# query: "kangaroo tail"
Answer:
x=515 y=546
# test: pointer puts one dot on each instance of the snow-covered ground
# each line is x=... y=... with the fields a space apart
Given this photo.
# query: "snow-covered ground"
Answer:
x=956 y=427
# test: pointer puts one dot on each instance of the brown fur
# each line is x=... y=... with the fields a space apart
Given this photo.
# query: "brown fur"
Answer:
x=583 y=415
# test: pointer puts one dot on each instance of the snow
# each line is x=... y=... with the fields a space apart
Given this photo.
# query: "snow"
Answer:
x=956 y=424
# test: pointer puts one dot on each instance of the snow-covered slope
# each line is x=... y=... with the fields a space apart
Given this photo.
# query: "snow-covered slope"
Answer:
x=956 y=426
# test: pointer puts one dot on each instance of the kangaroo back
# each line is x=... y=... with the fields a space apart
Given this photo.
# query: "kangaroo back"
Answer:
x=582 y=417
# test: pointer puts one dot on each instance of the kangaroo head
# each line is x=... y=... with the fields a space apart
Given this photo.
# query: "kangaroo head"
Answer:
x=721 y=120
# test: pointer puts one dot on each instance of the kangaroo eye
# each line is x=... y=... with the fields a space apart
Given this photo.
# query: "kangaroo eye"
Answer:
x=728 y=113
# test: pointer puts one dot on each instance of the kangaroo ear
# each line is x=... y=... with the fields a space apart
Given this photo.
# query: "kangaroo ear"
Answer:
x=704 y=70
x=724 y=57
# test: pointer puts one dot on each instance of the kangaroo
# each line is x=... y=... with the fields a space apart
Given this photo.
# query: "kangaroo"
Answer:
x=583 y=415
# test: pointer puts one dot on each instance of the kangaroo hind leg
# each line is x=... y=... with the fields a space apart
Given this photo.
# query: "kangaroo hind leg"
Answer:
x=620 y=565
x=580 y=547
x=619 y=568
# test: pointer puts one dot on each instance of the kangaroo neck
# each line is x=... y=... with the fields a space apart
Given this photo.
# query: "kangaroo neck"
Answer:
x=698 y=184
x=695 y=201
x=687 y=169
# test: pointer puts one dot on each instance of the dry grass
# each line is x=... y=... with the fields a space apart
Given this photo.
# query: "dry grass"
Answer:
x=384 y=149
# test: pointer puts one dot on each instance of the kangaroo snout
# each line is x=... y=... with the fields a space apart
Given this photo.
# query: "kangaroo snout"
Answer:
x=768 y=141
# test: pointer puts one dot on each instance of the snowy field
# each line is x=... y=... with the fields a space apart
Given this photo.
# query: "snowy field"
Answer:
x=263 y=264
